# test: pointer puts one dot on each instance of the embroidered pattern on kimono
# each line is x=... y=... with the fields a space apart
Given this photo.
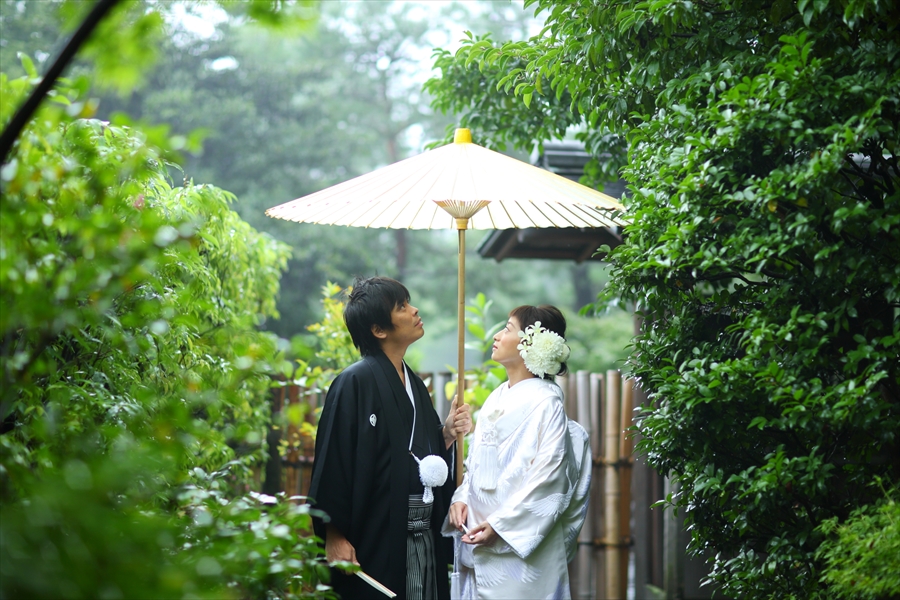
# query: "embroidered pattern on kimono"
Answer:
x=535 y=500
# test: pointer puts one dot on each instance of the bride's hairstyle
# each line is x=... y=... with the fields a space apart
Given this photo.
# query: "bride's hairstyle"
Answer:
x=549 y=316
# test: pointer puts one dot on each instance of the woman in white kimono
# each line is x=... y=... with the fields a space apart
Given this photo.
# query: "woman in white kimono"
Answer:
x=524 y=496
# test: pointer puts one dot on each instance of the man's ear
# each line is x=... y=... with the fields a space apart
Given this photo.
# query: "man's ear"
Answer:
x=378 y=332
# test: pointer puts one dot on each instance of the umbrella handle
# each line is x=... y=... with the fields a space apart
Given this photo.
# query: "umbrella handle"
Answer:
x=462 y=225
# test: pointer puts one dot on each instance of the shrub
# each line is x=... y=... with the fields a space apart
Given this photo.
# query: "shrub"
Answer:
x=761 y=143
x=862 y=554
x=132 y=367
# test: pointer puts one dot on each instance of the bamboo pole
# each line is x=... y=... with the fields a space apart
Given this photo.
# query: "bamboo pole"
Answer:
x=611 y=456
x=461 y=211
x=585 y=551
x=597 y=488
x=596 y=413
x=673 y=558
x=626 y=416
x=625 y=445
x=461 y=226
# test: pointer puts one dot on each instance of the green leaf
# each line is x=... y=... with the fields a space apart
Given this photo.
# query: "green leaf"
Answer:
x=758 y=422
x=28 y=65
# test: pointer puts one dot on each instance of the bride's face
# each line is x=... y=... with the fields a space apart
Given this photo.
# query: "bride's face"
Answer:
x=505 y=342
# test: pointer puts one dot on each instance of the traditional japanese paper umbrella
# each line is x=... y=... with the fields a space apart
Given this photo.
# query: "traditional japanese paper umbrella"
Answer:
x=458 y=186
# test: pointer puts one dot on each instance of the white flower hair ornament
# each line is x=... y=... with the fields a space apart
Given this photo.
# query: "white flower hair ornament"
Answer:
x=543 y=350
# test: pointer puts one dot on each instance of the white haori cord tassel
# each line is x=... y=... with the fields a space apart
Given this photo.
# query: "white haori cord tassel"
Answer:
x=432 y=473
x=488 y=471
x=432 y=469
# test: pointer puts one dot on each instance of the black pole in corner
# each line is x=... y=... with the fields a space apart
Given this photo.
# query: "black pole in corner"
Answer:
x=26 y=111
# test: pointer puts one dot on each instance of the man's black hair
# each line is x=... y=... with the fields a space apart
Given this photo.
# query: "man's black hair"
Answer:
x=371 y=302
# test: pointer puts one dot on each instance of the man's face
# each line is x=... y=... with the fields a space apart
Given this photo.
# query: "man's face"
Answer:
x=408 y=327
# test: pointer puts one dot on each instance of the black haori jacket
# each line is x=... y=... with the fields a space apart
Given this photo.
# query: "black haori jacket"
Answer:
x=363 y=473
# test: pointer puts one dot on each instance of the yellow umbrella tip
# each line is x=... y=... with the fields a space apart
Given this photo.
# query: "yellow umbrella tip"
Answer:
x=462 y=136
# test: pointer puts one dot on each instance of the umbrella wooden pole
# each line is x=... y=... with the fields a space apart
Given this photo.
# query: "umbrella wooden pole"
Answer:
x=461 y=211
x=461 y=226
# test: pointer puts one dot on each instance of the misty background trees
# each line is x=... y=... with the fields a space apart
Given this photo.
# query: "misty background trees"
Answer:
x=282 y=115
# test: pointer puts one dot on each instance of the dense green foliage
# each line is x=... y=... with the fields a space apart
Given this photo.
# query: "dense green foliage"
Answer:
x=134 y=379
x=762 y=143
x=861 y=556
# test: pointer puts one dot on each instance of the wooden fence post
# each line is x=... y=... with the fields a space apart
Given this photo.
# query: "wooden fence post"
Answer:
x=585 y=553
x=596 y=509
x=611 y=484
x=624 y=472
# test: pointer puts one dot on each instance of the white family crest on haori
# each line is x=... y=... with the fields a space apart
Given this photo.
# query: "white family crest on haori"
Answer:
x=543 y=350
x=537 y=501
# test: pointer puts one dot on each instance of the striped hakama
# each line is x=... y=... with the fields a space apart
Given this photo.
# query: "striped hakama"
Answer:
x=420 y=568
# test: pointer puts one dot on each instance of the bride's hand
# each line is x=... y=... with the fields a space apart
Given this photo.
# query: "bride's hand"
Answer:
x=482 y=534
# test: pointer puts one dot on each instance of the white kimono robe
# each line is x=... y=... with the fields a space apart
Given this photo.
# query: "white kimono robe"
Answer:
x=535 y=496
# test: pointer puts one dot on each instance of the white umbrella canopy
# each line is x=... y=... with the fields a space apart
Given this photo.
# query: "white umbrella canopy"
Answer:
x=457 y=186
x=405 y=195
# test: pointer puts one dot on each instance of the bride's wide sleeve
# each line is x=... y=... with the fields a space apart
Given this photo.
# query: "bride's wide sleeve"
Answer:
x=529 y=513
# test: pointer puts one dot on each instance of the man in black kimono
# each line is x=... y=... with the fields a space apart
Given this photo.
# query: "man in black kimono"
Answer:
x=377 y=419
